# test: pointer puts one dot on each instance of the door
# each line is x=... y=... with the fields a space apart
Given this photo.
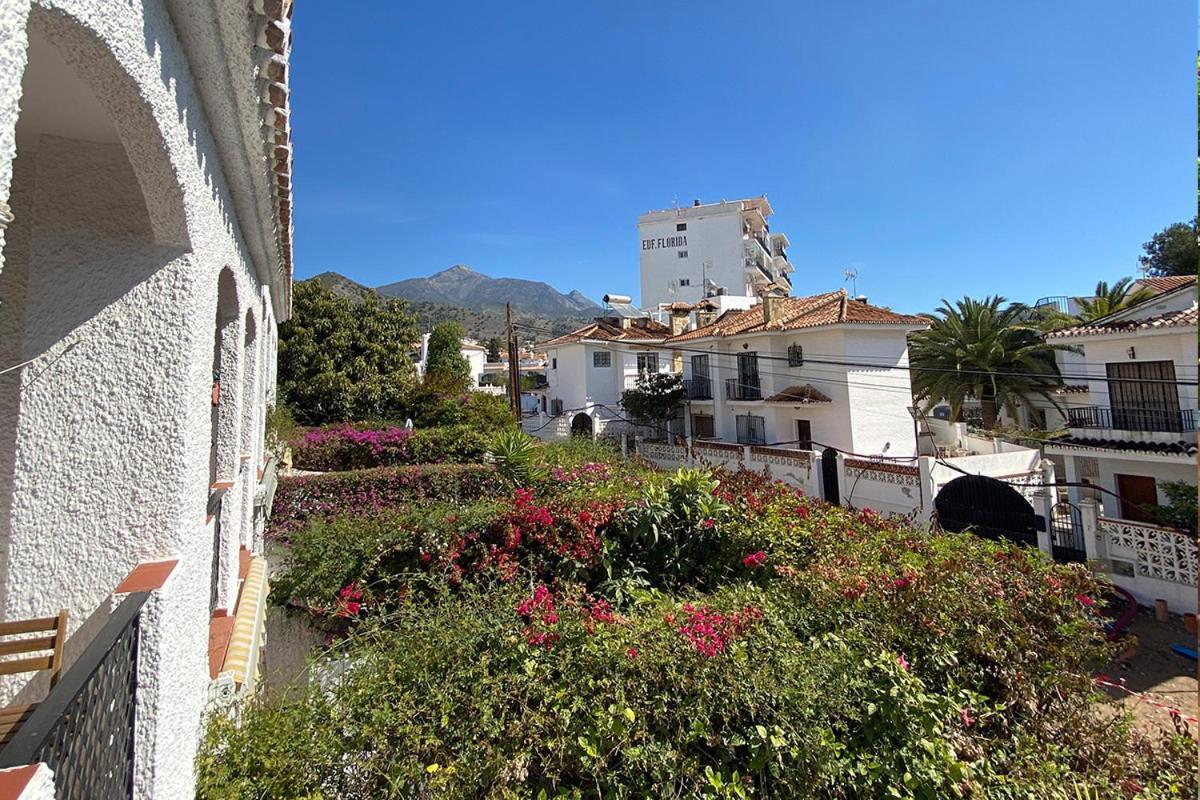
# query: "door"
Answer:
x=829 y=477
x=1138 y=493
x=702 y=426
x=804 y=434
x=748 y=386
x=701 y=388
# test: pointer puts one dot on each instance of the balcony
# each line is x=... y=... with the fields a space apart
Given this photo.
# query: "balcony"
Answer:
x=698 y=388
x=1133 y=419
x=738 y=390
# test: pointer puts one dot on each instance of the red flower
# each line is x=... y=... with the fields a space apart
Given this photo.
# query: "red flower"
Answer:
x=902 y=661
x=632 y=653
x=967 y=719
x=755 y=559
x=708 y=523
x=1085 y=600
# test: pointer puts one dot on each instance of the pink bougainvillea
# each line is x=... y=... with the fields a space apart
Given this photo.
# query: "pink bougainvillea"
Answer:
x=711 y=632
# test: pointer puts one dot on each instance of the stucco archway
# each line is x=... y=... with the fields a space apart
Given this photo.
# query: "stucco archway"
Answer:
x=90 y=320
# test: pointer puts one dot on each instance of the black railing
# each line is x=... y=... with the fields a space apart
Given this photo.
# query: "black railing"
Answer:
x=83 y=730
x=739 y=390
x=1133 y=419
x=698 y=388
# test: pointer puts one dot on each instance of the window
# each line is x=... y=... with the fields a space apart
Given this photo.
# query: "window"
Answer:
x=681 y=226
x=554 y=363
x=685 y=281
x=681 y=253
x=795 y=356
x=702 y=426
x=747 y=387
x=647 y=363
x=556 y=407
x=804 y=434
x=751 y=429
x=601 y=359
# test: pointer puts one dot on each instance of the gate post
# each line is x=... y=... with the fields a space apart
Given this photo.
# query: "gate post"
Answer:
x=927 y=487
x=1046 y=500
x=1095 y=546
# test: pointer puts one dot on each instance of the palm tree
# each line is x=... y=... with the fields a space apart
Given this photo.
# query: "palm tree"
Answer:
x=976 y=349
x=1111 y=299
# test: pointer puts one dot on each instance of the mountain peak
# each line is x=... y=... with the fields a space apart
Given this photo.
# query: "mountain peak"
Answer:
x=457 y=269
x=463 y=287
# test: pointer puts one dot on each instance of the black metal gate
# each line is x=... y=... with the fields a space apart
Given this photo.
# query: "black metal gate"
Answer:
x=829 y=476
x=990 y=508
x=1066 y=533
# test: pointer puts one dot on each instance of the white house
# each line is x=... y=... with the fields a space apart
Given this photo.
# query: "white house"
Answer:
x=1131 y=428
x=805 y=372
x=712 y=249
x=590 y=367
x=145 y=264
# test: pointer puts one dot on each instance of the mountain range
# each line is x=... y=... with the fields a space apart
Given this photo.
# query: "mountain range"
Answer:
x=477 y=301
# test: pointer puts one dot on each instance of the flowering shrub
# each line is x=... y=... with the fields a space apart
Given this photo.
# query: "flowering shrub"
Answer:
x=350 y=447
x=299 y=500
x=610 y=632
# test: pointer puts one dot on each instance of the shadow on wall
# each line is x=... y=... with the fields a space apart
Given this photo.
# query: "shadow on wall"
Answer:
x=94 y=275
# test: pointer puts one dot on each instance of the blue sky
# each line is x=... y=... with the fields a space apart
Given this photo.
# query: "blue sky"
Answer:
x=940 y=148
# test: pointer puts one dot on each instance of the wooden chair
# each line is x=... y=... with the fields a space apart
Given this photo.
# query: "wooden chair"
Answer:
x=55 y=628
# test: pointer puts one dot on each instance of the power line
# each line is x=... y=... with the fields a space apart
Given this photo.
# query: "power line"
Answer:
x=868 y=365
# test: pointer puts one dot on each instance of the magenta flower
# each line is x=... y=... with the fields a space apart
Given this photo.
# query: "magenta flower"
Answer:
x=755 y=560
x=902 y=661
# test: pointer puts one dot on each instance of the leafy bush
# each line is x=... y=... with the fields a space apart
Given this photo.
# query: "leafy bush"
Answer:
x=1180 y=510
x=785 y=648
x=347 y=447
x=302 y=500
x=484 y=412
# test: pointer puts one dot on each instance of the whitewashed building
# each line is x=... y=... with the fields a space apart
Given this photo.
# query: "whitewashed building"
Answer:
x=145 y=264
x=712 y=249
x=1131 y=428
x=590 y=367
x=472 y=352
x=810 y=372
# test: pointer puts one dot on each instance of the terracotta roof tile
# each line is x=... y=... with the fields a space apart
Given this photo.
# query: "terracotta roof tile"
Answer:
x=642 y=329
x=1172 y=319
x=831 y=308
x=1182 y=448
x=1167 y=283
x=804 y=394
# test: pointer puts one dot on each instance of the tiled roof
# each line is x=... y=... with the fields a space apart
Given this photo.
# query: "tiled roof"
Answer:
x=1072 y=388
x=831 y=308
x=642 y=329
x=1181 y=448
x=273 y=40
x=1167 y=283
x=799 y=394
x=1171 y=319
x=679 y=305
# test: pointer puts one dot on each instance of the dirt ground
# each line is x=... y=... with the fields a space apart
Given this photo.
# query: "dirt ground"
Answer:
x=1157 y=673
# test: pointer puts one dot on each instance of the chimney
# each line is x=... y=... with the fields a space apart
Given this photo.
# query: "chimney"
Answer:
x=772 y=308
x=679 y=320
x=625 y=321
x=862 y=298
x=696 y=202
x=705 y=317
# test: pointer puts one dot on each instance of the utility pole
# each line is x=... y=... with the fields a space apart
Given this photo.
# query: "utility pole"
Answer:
x=514 y=365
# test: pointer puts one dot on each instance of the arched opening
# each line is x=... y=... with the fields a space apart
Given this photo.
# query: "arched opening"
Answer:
x=988 y=507
x=93 y=265
x=581 y=425
x=225 y=423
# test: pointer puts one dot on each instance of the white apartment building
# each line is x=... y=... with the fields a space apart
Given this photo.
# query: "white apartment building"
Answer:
x=1131 y=427
x=802 y=372
x=713 y=249
x=145 y=264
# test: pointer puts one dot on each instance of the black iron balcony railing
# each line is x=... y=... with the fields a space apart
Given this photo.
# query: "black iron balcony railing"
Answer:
x=83 y=730
x=1133 y=419
x=698 y=388
x=736 y=389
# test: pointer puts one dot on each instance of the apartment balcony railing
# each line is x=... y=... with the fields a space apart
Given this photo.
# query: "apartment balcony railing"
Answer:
x=739 y=390
x=1133 y=419
x=84 y=729
x=698 y=388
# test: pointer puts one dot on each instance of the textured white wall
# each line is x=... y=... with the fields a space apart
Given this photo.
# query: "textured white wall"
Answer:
x=109 y=283
x=715 y=237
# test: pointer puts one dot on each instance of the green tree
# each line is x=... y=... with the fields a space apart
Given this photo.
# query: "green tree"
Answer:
x=977 y=349
x=446 y=370
x=493 y=350
x=1111 y=299
x=1172 y=251
x=345 y=361
x=654 y=399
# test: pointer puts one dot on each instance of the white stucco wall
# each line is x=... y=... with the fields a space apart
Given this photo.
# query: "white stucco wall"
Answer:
x=108 y=285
